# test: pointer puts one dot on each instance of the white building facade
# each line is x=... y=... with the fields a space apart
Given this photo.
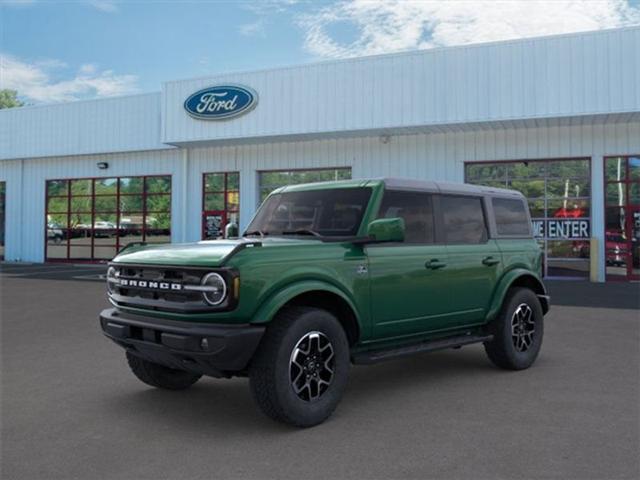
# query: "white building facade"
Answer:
x=556 y=117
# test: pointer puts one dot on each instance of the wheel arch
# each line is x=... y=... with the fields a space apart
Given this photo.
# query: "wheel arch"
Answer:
x=316 y=294
x=518 y=278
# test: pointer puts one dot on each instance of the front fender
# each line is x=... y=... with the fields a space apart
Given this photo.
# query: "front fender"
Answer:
x=277 y=300
x=505 y=283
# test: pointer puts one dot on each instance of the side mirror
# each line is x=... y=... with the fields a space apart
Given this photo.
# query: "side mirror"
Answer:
x=386 y=230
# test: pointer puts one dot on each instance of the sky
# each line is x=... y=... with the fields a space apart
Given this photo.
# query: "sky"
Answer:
x=57 y=51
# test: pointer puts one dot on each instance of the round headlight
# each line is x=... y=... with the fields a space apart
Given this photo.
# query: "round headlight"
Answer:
x=112 y=273
x=215 y=289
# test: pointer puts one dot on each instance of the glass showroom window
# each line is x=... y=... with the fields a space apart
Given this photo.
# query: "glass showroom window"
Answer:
x=220 y=203
x=3 y=189
x=559 y=197
x=622 y=217
x=270 y=180
x=92 y=219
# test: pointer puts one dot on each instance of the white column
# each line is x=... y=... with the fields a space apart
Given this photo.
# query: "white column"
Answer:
x=597 y=211
x=12 y=174
x=249 y=197
x=184 y=217
x=179 y=198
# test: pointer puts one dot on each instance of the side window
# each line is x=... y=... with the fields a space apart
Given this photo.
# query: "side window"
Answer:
x=415 y=208
x=511 y=216
x=463 y=219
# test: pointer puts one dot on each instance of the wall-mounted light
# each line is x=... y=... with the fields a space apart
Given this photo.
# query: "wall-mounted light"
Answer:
x=384 y=138
x=102 y=165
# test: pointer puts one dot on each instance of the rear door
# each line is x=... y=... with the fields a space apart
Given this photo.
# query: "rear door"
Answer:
x=475 y=262
x=409 y=280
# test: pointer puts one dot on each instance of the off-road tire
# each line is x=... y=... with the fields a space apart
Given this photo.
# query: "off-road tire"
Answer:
x=269 y=372
x=160 y=376
x=503 y=350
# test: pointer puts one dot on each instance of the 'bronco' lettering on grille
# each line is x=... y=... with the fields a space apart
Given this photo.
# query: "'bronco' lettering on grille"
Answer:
x=126 y=282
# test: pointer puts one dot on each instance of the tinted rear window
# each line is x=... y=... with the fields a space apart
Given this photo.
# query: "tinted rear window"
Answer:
x=511 y=217
x=463 y=219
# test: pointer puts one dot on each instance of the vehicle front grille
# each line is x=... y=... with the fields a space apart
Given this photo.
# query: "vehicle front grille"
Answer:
x=157 y=288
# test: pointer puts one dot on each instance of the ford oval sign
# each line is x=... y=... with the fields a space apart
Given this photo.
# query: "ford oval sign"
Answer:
x=221 y=102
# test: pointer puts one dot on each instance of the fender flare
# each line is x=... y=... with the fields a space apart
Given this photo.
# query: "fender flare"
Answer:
x=277 y=300
x=505 y=283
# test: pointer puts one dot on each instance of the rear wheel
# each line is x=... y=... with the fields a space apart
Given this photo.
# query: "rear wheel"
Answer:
x=300 y=370
x=517 y=331
x=160 y=376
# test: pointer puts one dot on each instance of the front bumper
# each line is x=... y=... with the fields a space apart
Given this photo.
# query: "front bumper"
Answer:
x=179 y=345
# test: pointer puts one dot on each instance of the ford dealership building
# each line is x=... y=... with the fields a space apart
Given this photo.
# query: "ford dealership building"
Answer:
x=557 y=118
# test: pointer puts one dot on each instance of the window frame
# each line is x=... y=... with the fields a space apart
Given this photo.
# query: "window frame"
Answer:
x=544 y=242
x=627 y=206
x=3 y=216
x=226 y=210
x=117 y=244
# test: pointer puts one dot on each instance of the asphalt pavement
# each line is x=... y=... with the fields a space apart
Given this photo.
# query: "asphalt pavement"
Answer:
x=72 y=410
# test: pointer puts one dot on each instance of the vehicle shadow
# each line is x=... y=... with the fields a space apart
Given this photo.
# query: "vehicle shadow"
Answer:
x=408 y=376
x=219 y=407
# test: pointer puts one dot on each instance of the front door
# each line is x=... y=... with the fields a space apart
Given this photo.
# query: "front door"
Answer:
x=622 y=245
x=633 y=234
x=622 y=217
x=409 y=289
x=409 y=286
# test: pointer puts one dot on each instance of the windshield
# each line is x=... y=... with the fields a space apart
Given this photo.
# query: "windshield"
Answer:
x=332 y=212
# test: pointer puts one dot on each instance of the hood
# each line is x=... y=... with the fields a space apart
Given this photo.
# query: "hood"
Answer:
x=208 y=253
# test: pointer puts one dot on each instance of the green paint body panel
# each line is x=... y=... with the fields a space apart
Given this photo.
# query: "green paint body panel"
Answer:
x=394 y=296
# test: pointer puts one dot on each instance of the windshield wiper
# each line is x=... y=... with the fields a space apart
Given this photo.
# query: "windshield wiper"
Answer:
x=255 y=232
x=302 y=231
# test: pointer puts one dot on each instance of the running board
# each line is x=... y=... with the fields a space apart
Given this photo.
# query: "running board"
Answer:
x=375 y=356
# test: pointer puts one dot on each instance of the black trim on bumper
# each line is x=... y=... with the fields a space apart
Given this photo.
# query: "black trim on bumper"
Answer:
x=179 y=344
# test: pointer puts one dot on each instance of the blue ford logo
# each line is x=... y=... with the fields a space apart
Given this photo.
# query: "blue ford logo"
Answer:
x=221 y=102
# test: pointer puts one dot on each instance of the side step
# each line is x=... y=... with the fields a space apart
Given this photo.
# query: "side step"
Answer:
x=375 y=356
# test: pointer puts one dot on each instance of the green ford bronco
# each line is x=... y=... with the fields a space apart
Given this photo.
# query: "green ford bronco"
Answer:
x=330 y=274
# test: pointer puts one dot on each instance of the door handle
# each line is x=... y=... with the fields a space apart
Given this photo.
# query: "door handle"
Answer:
x=435 y=264
x=490 y=261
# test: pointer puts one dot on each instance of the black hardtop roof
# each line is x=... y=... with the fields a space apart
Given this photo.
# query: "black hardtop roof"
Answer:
x=399 y=183
x=447 y=187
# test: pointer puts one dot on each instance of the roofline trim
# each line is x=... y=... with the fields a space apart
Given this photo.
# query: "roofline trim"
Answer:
x=412 y=52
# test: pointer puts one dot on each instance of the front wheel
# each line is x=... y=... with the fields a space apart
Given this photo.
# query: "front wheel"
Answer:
x=517 y=331
x=300 y=370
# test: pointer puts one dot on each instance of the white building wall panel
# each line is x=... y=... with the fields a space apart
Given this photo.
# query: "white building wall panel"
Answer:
x=561 y=76
x=120 y=124
x=26 y=191
x=438 y=156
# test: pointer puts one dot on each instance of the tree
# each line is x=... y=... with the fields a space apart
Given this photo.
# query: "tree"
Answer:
x=9 y=99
